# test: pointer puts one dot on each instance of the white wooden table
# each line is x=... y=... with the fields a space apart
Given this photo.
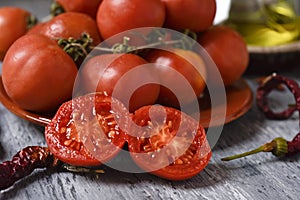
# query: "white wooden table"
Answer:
x=262 y=176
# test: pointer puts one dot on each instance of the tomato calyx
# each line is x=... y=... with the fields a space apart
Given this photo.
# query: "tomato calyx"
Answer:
x=56 y=9
x=31 y=21
x=156 y=38
x=78 y=49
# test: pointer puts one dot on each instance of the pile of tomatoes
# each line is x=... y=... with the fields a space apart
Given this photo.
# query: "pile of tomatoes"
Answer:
x=41 y=65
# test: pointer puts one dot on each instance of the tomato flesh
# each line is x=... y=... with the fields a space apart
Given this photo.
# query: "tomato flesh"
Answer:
x=170 y=144
x=74 y=130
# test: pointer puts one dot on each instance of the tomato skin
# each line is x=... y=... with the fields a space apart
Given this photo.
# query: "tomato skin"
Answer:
x=83 y=114
x=116 y=16
x=101 y=73
x=196 y=156
x=89 y=7
x=13 y=24
x=198 y=14
x=71 y=24
x=38 y=75
x=36 y=29
x=228 y=50
x=178 y=59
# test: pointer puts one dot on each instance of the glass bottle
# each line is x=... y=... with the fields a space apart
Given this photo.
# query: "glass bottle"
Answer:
x=265 y=22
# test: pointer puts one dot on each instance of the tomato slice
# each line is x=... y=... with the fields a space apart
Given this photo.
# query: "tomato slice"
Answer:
x=168 y=143
x=74 y=134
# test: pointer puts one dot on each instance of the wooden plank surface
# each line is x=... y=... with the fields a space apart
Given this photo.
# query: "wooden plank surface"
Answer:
x=257 y=177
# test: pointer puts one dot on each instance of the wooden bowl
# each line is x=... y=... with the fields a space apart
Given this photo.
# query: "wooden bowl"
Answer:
x=239 y=100
x=281 y=58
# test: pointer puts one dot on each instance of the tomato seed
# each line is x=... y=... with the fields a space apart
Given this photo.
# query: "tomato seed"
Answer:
x=178 y=161
x=109 y=117
x=68 y=142
x=63 y=130
x=111 y=134
x=112 y=123
x=147 y=148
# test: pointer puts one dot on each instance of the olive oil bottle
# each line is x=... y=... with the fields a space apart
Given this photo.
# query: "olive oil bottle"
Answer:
x=265 y=22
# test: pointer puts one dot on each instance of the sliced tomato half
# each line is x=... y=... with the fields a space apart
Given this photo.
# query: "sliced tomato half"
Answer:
x=168 y=143
x=85 y=132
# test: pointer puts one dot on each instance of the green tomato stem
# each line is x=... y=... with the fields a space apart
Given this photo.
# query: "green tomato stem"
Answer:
x=56 y=9
x=31 y=21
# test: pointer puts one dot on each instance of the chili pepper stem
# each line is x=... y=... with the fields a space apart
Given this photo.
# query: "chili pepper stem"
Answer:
x=263 y=148
x=76 y=169
x=278 y=147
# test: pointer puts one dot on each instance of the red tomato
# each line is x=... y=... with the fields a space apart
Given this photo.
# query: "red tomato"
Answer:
x=102 y=73
x=89 y=7
x=168 y=143
x=115 y=16
x=81 y=119
x=228 y=50
x=13 y=24
x=71 y=24
x=38 y=75
x=195 y=15
x=178 y=60
x=36 y=29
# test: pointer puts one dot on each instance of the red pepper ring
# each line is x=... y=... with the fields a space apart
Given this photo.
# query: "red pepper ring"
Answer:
x=270 y=83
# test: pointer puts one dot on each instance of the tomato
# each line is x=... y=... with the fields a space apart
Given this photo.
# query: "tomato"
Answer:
x=195 y=15
x=111 y=73
x=228 y=50
x=89 y=7
x=168 y=143
x=74 y=130
x=172 y=64
x=38 y=75
x=71 y=24
x=14 y=22
x=36 y=29
x=115 y=16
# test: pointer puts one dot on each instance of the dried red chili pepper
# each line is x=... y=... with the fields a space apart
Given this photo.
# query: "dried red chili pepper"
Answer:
x=279 y=146
x=31 y=158
x=272 y=82
x=23 y=164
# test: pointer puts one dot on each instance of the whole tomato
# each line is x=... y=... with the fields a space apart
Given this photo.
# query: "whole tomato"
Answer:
x=89 y=7
x=82 y=118
x=198 y=14
x=38 y=75
x=70 y=24
x=173 y=65
x=14 y=22
x=119 y=75
x=115 y=16
x=36 y=29
x=168 y=143
x=228 y=50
